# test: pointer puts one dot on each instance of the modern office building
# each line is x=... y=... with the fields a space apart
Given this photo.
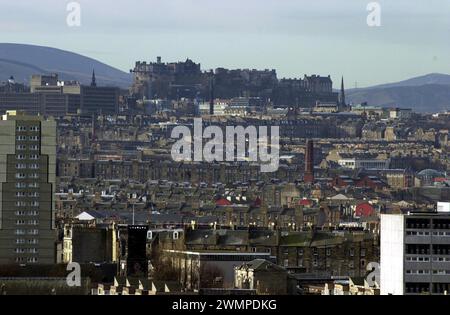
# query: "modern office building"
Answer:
x=27 y=187
x=99 y=100
x=48 y=96
x=415 y=252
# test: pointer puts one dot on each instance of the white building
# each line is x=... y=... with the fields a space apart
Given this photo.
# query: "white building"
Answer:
x=400 y=113
x=220 y=107
x=368 y=164
x=415 y=252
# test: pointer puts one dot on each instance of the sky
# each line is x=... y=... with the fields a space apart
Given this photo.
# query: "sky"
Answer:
x=295 y=37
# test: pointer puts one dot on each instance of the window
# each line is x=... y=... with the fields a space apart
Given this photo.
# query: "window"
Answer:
x=21 y=185
x=286 y=263
x=352 y=252
x=363 y=252
x=34 y=128
x=34 y=176
x=21 y=138
x=20 y=175
x=33 y=185
x=33 y=222
x=34 y=157
x=33 y=232
x=21 y=147
x=35 y=203
x=34 y=138
x=20 y=194
x=34 y=147
x=176 y=235
x=34 y=166
x=21 y=128
x=20 y=222
x=328 y=251
x=20 y=241
x=33 y=194
x=20 y=157
x=20 y=232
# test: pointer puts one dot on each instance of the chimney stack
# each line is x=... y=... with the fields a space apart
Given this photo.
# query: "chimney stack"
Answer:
x=309 y=162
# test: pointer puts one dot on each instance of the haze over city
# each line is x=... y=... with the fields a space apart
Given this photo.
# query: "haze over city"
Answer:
x=294 y=37
x=216 y=154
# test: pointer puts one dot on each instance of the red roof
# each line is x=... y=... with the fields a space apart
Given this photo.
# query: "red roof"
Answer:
x=223 y=202
x=305 y=202
x=364 y=210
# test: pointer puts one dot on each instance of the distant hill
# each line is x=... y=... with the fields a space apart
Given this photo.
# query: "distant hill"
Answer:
x=428 y=93
x=21 y=61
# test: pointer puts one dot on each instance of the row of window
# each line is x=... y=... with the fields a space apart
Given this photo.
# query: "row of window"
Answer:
x=29 y=222
x=33 y=241
x=26 y=204
x=419 y=259
x=29 y=138
x=427 y=272
x=22 y=147
x=351 y=252
x=28 y=260
x=26 y=251
x=315 y=263
x=31 y=128
x=26 y=213
x=24 y=157
x=410 y=233
x=23 y=166
x=22 y=194
x=25 y=185
x=23 y=176
x=26 y=232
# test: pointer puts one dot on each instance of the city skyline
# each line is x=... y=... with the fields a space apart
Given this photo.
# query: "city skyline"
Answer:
x=329 y=37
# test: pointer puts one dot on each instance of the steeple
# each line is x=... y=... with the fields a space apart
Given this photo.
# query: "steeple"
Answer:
x=93 y=83
x=342 y=100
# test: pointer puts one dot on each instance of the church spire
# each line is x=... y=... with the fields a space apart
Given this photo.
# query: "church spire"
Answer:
x=342 y=93
x=93 y=83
